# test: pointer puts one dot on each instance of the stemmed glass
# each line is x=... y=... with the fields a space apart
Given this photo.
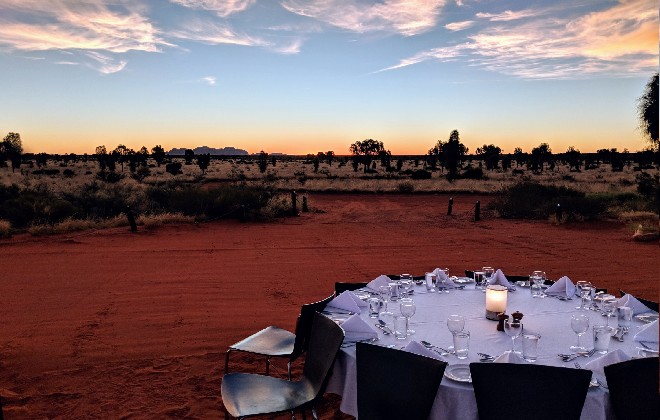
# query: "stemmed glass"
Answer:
x=538 y=277
x=608 y=306
x=580 y=325
x=406 y=285
x=443 y=282
x=584 y=288
x=455 y=323
x=513 y=329
x=408 y=308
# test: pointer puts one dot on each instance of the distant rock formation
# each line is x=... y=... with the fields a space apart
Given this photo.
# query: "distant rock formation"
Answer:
x=202 y=150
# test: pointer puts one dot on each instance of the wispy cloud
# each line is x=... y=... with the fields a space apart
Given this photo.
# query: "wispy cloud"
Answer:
x=618 y=41
x=459 y=26
x=222 y=8
x=405 y=17
x=214 y=33
x=93 y=25
x=508 y=15
x=105 y=64
x=209 y=80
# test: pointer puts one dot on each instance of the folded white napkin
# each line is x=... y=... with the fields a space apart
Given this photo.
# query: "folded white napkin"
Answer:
x=509 y=357
x=345 y=302
x=355 y=329
x=563 y=287
x=648 y=334
x=440 y=275
x=356 y=298
x=633 y=303
x=381 y=280
x=597 y=365
x=500 y=279
x=417 y=348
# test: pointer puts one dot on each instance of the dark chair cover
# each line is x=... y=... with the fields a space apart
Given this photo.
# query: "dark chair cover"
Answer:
x=394 y=384
x=634 y=389
x=510 y=391
x=342 y=286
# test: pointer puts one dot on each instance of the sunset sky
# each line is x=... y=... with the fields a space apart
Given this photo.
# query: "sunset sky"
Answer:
x=300 y=77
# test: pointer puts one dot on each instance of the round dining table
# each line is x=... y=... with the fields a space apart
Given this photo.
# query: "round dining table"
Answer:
x=548 y=317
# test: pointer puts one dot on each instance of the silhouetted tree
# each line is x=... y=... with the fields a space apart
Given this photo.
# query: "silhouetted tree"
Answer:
x=450 y=153
x=120 y=153
x=188 y=156
x=263 y=161
x=203 y=161
x=102 y=157
x=11 y=148
x=41 y=159
x=540 y=155
x=573 y=158
x=330 y=156
x=142 y=156
x=519 y=156
x=158 y=154
x=316 y=161
x=490 y=155
x=399 y=164
x=365 y=151
x=385 y=158
x=647 y=109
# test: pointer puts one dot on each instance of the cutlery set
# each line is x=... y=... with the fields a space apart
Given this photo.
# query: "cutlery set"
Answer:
x=571 y=356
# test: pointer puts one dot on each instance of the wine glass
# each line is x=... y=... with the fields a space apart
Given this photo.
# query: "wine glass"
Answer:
x=608 y=307
x=406 y=285
x=584 y=287
x=408 y=308
x=580 y=325
x=455 y=323
x=538 y=277
x=513 y=330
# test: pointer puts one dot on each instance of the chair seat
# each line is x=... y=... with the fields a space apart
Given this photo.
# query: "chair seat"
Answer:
x=246 y=394
x=271 y=341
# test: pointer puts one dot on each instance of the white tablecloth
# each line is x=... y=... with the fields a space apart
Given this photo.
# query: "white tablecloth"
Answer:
x=549 y=317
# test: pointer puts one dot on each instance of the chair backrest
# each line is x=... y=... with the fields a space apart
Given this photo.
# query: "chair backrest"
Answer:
x=648 y=303
x=394 y=384
x=324 y=342
x=634 y=388
x=342 y=286
x=304 y=325
x=502 y=391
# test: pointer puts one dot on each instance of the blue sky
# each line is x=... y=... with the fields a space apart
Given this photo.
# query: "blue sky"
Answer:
x=300 y=77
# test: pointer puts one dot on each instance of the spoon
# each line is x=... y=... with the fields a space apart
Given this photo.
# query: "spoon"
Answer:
x=439 y=350
x=385 y=329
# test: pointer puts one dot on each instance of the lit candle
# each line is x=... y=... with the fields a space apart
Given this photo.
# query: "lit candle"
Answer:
x=495 y=301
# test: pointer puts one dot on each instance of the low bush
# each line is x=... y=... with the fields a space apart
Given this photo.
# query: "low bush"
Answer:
x=405 y=187
x=472 y=173
x=531 y=200
x=421 y=174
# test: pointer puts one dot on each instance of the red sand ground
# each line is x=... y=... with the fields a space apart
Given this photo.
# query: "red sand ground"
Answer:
x=110 y=324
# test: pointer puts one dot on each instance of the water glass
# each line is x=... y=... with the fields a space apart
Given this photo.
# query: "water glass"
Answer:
x=535 y=290
x=488 y=275
x=625 y=317
x=584 y=288
x=384 y=293
x=394 y=291
x=530 y=346
x=430 y=281
x=400 y=327
x=479 y=280
x=461 y=344
x=375 y=305
x=602 y=337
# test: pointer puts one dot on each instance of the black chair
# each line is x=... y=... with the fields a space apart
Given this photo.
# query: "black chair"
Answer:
x=501 y=390
x=634 y=389
x=394 y=384
x=648 y=303
x=342 y=286
x=277 y=342
x=245 y=394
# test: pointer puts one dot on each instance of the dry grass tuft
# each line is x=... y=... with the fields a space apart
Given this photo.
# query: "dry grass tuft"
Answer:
x=5 y=229
x=155 y=220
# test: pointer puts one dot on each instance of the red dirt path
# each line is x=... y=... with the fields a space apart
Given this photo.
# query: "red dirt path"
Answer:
x=110 y=324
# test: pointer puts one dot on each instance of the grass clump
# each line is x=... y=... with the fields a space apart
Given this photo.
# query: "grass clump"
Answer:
x=5 y=229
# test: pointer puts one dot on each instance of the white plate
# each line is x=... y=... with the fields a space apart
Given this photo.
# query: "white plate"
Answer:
x=459 y=373
x=462 y=280
x=647 y=317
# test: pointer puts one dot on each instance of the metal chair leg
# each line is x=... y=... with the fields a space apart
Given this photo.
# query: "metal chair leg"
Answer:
x=267 y=366
x=227 y=361
x=315 y=416
x=288 y=366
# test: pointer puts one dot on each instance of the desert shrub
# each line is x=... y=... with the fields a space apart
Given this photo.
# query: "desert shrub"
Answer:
x=405 y=187
x=473 y=173
x=110 y=177
x=5 y=228
x=421 y=174
x=68 y=173
x=173 y=168
x=530 y=200
x=155 y=220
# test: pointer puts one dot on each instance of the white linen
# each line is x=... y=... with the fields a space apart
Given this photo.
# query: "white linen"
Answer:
x=440 y=276
x=648 y=334
x=509 y=357
x=500 y=279
x=355 y=329
x=358 y=301
x=381 y=280
x=633 y=303
x=344 y=302
x=418 y=348
x=597 y=365
x=563 y=287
